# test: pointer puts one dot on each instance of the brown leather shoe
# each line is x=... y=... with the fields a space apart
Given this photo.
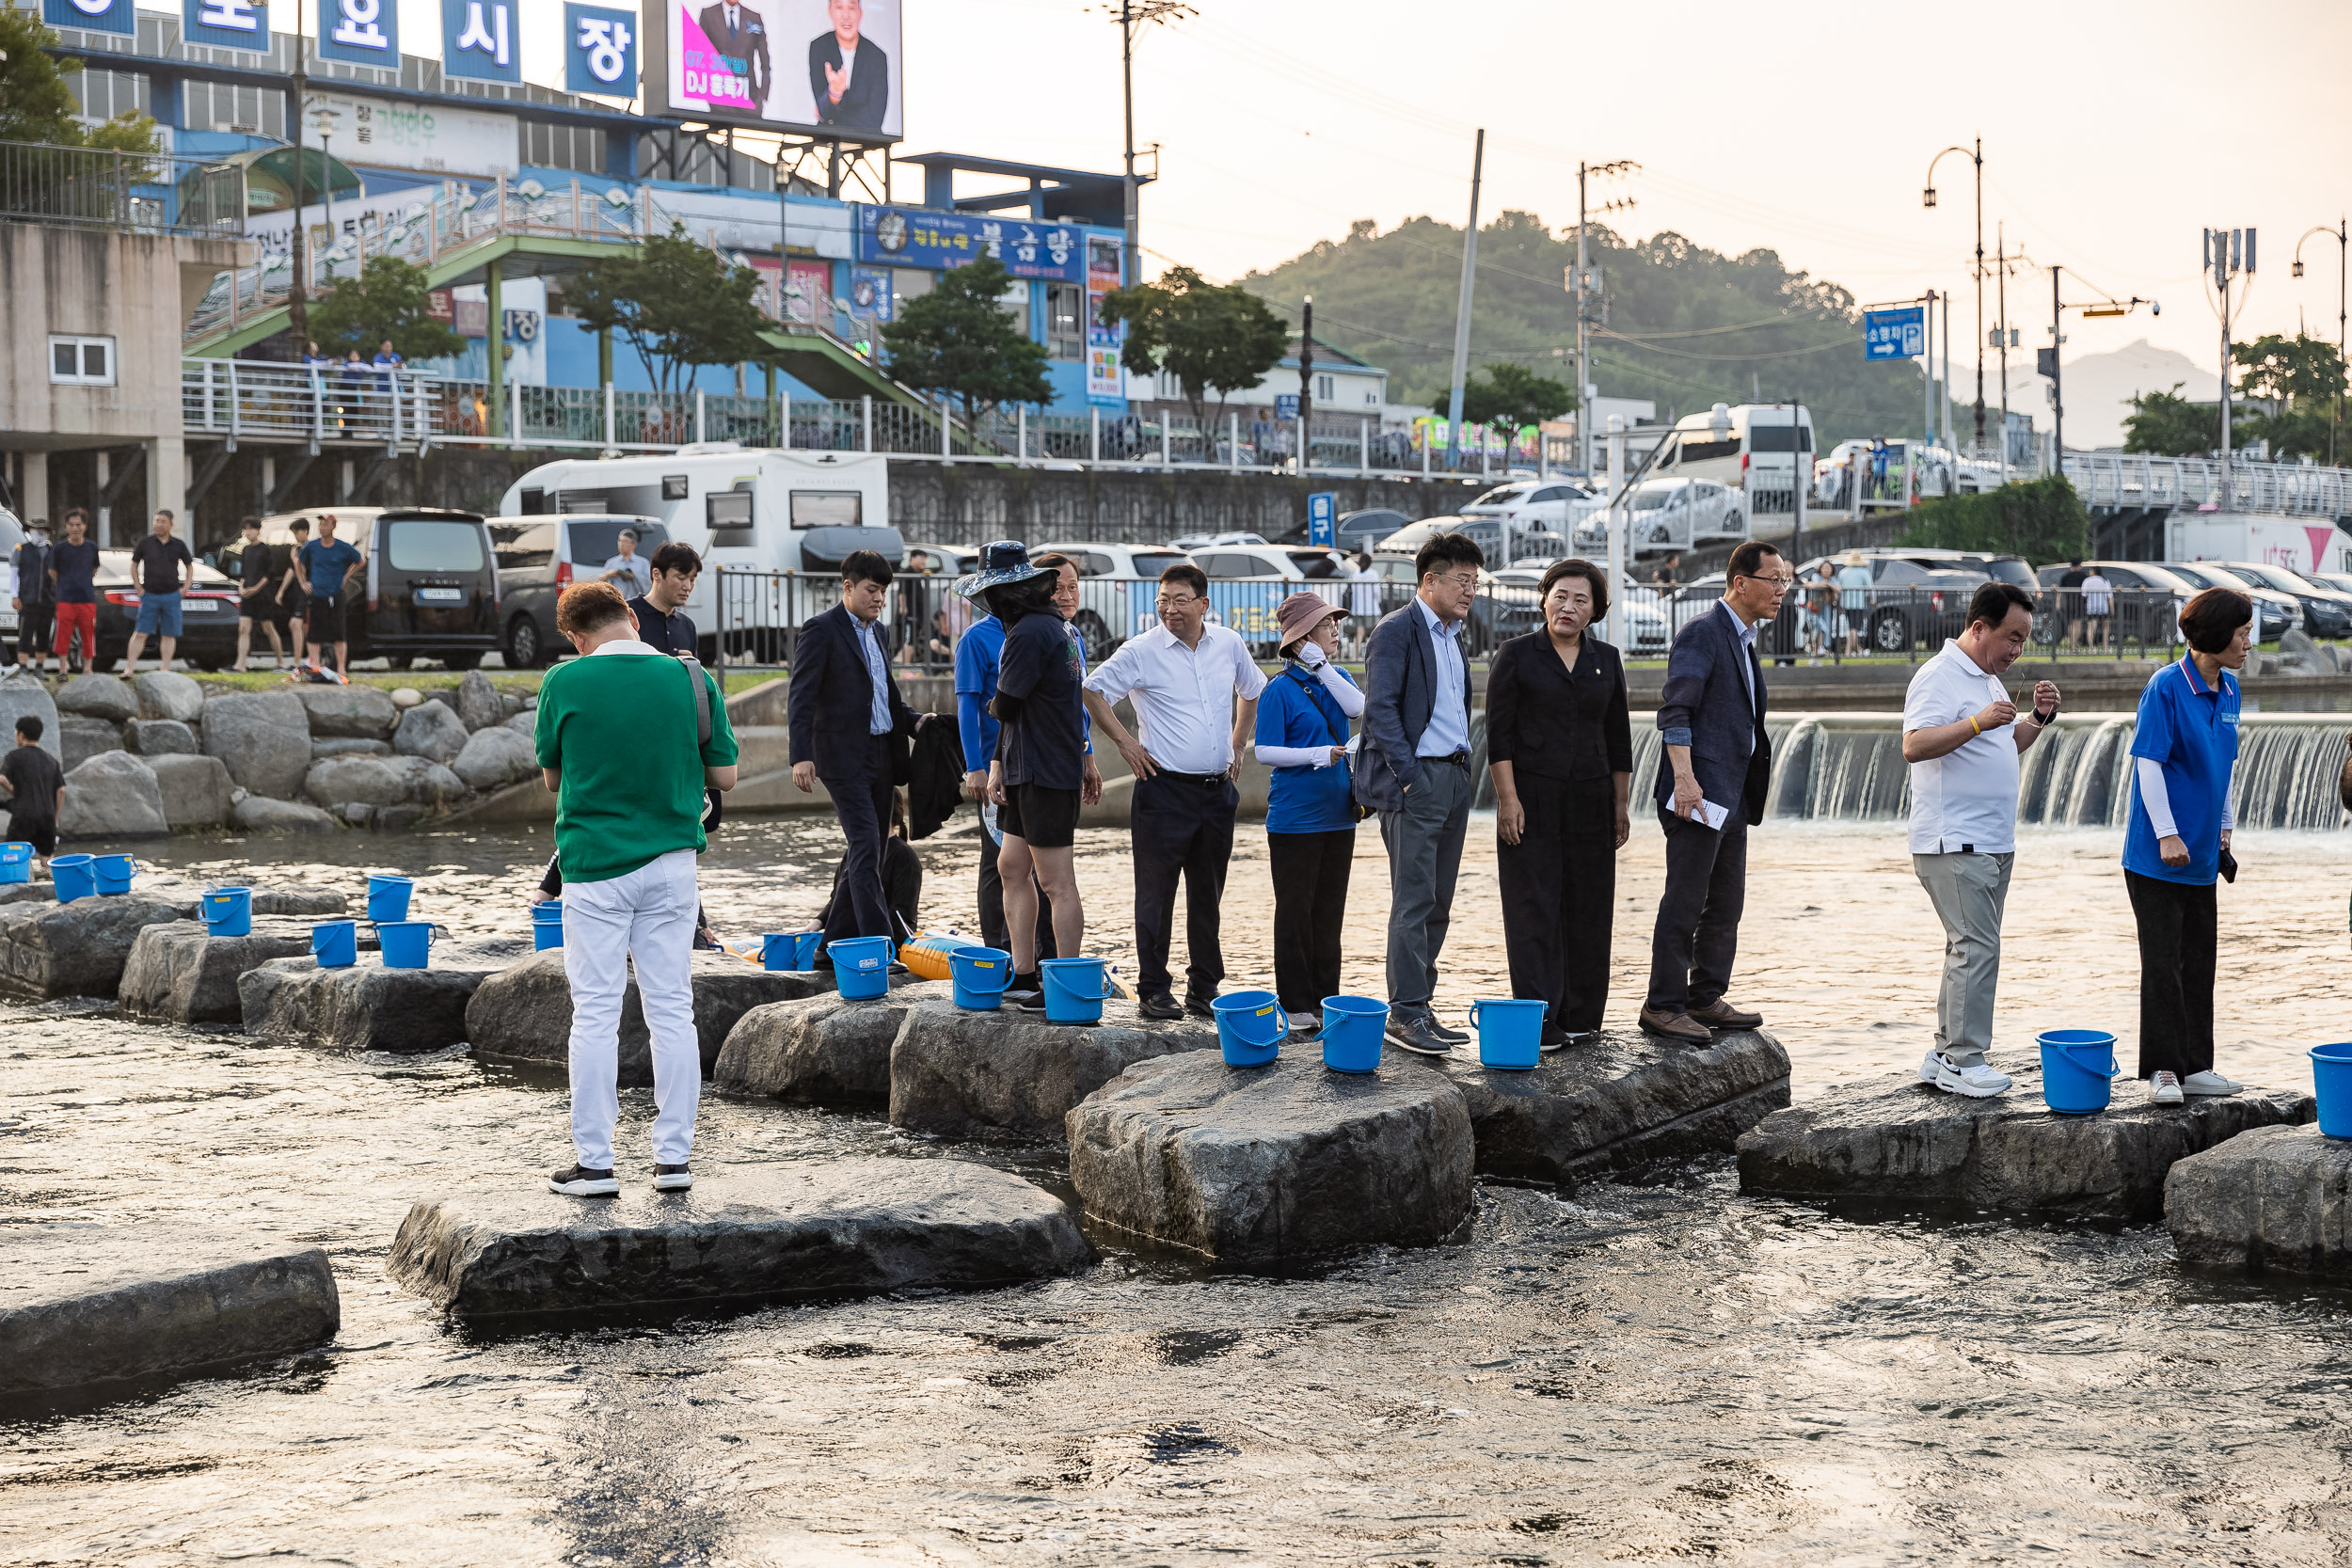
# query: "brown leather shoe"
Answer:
x=1676 y=1026
x=1719 y=1014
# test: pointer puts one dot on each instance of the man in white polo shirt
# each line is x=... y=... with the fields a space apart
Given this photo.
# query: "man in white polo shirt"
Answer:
x=1962 y=736
x=1184 y=677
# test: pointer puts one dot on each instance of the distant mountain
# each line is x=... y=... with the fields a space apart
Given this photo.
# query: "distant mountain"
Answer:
x=2098 y=387
x=1687 y=326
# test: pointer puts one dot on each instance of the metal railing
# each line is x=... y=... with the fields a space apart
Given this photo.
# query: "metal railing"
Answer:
x=313 y=405
x=2291 y=489
x=90 y=187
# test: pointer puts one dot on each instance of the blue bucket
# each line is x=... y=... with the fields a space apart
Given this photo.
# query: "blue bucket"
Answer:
x=388 y=897
x=72 y=877
x=2331 y=1086
x=860 y=967
x=407 y=943
x=1510 y=1032
x=2078 y=1069
x=1353 y=1027
x=16 y=862
x=1075 y=989
x=547 y=924
x=789 y=950
x=335 y=942
x=114 y=874
x=227 y=912
x=1250 y=1026
x=979 y=975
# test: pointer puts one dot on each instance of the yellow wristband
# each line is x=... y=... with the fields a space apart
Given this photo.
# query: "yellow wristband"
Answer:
x=1973 y=725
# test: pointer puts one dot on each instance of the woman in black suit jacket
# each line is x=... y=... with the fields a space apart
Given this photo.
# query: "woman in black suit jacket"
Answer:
x=1560 y=746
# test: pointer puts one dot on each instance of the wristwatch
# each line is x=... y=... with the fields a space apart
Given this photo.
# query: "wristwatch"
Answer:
x=2045 y=723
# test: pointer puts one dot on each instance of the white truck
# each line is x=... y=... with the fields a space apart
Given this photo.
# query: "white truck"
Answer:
x=2298 y=543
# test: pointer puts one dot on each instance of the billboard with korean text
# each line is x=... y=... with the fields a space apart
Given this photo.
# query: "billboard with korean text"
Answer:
x=822 y=68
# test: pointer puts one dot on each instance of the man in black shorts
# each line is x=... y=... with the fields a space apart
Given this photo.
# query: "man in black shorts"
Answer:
x=1037 y=774
x=36 y=787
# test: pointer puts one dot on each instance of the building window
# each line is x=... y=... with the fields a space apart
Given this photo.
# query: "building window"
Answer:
x=82 y=361
x=1323 y=391
x=1065 y=321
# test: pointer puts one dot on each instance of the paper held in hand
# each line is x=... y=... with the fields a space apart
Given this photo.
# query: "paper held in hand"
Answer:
x=1712 y=814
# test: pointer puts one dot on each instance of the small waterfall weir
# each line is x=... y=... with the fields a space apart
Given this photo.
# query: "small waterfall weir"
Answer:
x=1848 y=767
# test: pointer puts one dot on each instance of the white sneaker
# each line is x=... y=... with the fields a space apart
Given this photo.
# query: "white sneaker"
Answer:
x=1978 y=1081
x=1930 y=1066
x=2209 y=1082
x=2164 y=1089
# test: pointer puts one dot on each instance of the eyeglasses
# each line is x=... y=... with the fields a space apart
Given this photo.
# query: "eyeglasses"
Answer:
x=1185 y=603
x=1459 y=580
x=1780 y=584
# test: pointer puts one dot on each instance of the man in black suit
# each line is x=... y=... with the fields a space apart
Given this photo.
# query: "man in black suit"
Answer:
x=739 y=32
x=846 y=718
x=848 y=76
x=1714 y=768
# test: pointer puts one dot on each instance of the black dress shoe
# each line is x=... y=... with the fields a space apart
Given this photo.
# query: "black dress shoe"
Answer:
x=1026 y=992
x=1444 y=1031
x=1158 y=1005
x=1199 y=1006
x=1417 y=1033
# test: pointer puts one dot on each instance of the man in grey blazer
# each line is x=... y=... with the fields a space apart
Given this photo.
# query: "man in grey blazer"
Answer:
x=1414 y=771
x=1714 y=768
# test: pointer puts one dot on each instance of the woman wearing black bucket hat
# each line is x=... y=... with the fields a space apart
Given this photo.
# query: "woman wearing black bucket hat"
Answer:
x=1311 y=806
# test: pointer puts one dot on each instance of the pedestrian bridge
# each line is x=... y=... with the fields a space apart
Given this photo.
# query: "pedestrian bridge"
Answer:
x=2126 y=481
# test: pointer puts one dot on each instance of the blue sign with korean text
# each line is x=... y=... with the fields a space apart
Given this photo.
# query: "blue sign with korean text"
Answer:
x=869 y=294
x=225 y=23
x=481 y=39
x=599 y=51
x=916 y=237
x=91 y=16
x=361 y=32
x=1895 y=334
x=1286 y=406
x=1322 y=510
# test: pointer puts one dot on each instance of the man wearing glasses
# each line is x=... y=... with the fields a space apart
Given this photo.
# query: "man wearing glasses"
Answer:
x=1184 y=677
x=1415 y=774
x=1714 y=768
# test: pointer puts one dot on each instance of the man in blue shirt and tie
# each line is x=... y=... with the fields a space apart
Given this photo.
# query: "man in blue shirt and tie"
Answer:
x=844 y=715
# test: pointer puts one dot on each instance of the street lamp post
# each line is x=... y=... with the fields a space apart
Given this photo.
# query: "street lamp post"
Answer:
x=1927 y=199
x=297 y=298
x=2342 y=234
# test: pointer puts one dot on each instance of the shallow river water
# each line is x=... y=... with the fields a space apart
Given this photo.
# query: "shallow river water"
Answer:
x=1649 y=1373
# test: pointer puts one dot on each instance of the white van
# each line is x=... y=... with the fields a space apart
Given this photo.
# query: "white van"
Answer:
x=1752 y=447
x=778 y=523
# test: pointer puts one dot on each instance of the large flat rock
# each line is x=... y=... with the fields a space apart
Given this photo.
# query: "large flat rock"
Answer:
x=77 y=949
x=1619 y=1099
x=2275 y=1197
x=367 y=1006
x=1008 y=1073
x=1900 y=1140
x=525 y=1010
x=745 y=1235
x=820 y=1051
x=1264 y=1166
x=180 y=972
x=82 y=1307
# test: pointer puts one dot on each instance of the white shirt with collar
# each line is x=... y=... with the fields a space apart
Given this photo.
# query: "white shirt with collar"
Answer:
x=1449 y=715
x=1743 y=630
x=1966 y=799
x=1184 y=697
x=625 y=645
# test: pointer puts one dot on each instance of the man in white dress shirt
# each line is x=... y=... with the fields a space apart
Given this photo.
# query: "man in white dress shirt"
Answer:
x=1184 y=677
x=1962 y=736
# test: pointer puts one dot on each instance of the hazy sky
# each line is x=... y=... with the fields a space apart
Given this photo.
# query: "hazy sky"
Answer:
x=2113 y=131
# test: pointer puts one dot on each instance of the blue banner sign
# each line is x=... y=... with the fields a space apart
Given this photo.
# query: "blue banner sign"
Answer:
x=599 y=51
x=1895 y=334
x=361 y=32
x=481 y=39
x=1322 y=510
x=91 y=16
x=226 y=24
x=1286 y=406
x=917 y=237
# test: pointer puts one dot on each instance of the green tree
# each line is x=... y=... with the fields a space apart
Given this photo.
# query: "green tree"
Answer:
x=1515 y=396
x=957 y=340
x=2304 y=376
x=1212 y=338
x=676 y=304
x=387 y=300
x=2166 y=424
x=2042 y=520
x=37 y=105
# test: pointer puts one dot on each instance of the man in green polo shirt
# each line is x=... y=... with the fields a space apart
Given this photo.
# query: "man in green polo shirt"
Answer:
x=619 y=741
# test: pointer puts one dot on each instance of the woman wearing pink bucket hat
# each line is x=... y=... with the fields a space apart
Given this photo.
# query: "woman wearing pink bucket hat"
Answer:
x=1311 y=806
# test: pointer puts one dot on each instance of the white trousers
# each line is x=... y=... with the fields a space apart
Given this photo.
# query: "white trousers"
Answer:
x=648 y=915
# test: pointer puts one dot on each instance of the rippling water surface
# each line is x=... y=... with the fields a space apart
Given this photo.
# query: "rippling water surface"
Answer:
x=1649 y=1373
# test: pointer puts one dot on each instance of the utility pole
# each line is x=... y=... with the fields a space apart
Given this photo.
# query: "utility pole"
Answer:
x=2058 y=388
x=1927 y=372
x=2000 y=295
x=1134 y=15
x=1306 y=376
x=297 y=299
x=2230 y=255
x=1581 y=286
x=1462 y=308
x=1975 y=154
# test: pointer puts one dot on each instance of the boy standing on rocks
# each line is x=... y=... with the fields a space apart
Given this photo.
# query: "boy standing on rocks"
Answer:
x=621 y=744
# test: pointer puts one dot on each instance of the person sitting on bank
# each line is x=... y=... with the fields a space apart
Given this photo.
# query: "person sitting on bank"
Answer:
x=1302 y=734
x=36 y=787
x=661 y=619
x=2176 y=843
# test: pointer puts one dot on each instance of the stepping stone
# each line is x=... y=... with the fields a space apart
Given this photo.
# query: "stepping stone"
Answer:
x=2275 y=1198
x=1265 y=1166
x=77 y=949
x=524 y=1012
x=820 y=1051
x=83 y=1307
x=1619 y=1099
x=1900 y=1140
x=180 y=972
x=745 y=1235
x=1008 y=1073
x=367 y=1006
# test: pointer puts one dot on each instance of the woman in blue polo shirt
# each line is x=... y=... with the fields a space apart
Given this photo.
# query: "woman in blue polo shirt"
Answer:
x=1311 y=805
x=2177 y=843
